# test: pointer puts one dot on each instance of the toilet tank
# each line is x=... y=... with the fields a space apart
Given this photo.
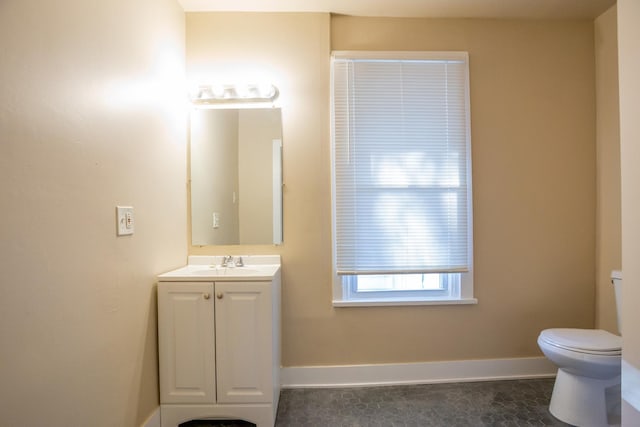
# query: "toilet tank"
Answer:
x=616 y=280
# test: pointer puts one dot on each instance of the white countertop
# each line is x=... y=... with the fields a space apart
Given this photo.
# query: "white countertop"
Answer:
x=207 y=269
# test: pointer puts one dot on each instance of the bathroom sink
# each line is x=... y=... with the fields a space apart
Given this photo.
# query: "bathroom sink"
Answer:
x=225 y=271
x=209 y=269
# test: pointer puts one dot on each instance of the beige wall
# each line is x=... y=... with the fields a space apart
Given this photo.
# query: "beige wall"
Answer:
x=629 y=70
x=88 y=120
x=533 y=111
x=608 y=226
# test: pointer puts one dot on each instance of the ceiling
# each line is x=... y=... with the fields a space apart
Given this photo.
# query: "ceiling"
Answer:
x=535 y=9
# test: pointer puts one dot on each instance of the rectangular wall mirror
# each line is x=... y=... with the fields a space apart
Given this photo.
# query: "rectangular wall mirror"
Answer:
x=236 y=176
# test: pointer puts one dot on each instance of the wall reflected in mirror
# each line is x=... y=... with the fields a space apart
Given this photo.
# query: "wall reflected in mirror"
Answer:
x=236 y=176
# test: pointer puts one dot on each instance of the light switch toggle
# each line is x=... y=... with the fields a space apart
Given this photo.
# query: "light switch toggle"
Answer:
x=125 y=222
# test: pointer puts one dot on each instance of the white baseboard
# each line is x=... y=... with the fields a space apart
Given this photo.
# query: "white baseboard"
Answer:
x=153 y=420
x=416 y=373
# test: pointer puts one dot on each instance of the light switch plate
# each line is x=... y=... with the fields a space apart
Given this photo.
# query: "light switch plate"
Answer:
x=124 y=218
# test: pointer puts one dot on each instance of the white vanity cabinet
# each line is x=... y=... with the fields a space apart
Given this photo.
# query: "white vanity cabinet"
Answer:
x=219 y=349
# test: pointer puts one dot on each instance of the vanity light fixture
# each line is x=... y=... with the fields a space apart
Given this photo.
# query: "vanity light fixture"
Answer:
x=215 y=95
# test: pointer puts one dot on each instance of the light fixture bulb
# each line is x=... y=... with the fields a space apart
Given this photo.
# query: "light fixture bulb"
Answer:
x=242 y=91
x=218 y=91
x=266 y=90
x=205 y=93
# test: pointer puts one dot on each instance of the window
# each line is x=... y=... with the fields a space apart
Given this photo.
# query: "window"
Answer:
x=402 y=220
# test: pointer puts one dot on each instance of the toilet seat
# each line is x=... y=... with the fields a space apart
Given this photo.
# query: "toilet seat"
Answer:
x=588 y=341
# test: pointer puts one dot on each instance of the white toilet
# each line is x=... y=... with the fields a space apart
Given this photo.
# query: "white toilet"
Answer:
x=587 y=388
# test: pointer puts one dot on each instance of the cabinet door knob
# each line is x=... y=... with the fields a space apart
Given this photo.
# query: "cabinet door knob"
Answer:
x=219 y=295
x=206 y=296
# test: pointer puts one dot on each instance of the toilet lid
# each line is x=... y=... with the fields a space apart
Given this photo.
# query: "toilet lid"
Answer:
x=584 y=340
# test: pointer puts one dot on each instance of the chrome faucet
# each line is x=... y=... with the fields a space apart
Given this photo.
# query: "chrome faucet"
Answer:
x=229 y=261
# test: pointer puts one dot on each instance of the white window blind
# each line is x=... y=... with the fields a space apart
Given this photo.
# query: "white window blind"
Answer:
x=401 y=162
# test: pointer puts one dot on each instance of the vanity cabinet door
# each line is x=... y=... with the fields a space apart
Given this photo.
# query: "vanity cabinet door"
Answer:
x=244 y=342
x=186 y=342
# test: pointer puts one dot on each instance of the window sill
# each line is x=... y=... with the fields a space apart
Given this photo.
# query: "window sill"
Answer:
x=391 y=302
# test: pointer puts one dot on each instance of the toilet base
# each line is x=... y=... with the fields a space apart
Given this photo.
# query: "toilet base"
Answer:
x=586 y=402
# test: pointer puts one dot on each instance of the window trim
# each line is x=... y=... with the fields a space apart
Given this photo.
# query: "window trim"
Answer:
x=341 y=293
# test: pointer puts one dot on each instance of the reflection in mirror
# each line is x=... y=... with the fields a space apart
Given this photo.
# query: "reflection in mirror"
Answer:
x=236 y=176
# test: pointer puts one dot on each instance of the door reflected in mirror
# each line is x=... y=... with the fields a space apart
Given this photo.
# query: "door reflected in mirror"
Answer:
x=236 y=176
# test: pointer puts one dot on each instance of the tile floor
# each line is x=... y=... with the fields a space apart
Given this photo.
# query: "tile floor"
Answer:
x=495 y=403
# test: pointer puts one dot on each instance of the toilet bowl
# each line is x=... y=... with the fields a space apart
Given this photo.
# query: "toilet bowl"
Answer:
x=586 y=392
x=587 y=388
